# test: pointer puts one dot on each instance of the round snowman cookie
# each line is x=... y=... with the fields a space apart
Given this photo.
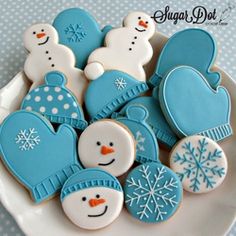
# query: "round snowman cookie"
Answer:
x=109 y=145
x=92 y=198
x=200 y=163
x=153 y=192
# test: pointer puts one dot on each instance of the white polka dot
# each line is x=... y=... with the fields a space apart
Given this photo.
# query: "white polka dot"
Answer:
x=28 y=97
x=74 y=104
x=66 y=106
x=28 y=108
x=54 y=110
x=60 y=97
x=49 y=98
x=42 y=109
x=37 y=98
x=57 y=89
x=74 y=115
x=68 y=95
x=36 y=90
x=46 y=89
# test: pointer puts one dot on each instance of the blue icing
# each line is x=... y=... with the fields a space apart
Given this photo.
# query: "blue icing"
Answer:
x=147 y=149
x=110 y=91
x=78 y=30
x=54 y=101
x=191 y=106
x=190 y=47
x=40 y=158
x=153 y=192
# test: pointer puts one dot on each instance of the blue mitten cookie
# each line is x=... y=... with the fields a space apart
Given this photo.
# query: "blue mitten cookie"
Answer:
x=191 y=106
x=110 y=91
x=190 y=47
x=54 y=101
x=135 y=117
x=40 y=158
x=79 y=31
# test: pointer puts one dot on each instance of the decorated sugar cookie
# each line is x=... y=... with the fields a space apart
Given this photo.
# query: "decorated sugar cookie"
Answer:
x=191 y=106
x=78 y=30
x=92 y=198
x=54 y=101
x=109 y=145
x=126 y=49
x=40 y=158
x=153 y=192
x=190 y=47
x=147 y=149
x=46 y=54
x=109 y=92
x=200 y=163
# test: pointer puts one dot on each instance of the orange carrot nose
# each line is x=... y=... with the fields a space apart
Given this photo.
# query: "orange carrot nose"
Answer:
x=106 y=150
x=95 y=202
x=40 y=35
x=143 y=24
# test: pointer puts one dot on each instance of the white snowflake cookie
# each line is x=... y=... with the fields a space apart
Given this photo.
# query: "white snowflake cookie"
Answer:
x=200 y=163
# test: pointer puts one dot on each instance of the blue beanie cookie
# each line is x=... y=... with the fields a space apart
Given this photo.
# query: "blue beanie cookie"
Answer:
x=54 y=101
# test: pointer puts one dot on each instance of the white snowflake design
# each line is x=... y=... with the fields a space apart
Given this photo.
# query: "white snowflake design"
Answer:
x=154 y=193
x=75 y=33
x=120 y=83
x=139 y=141
x=27 y=139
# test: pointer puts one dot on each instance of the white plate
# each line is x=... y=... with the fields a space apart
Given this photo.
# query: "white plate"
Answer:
x=206 y=214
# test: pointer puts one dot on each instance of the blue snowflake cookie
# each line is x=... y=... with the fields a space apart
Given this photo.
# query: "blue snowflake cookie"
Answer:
x=40 y=158
x=54 y=101
x=200 y=164
x=153 y=192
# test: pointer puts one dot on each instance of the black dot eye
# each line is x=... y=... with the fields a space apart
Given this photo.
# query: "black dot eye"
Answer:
x=34 y=32
x=84 y=199
x=97 y=196
x=42 y=30
x=146 y=22
x=139 y=17
x=111 y=144
x=98 y=143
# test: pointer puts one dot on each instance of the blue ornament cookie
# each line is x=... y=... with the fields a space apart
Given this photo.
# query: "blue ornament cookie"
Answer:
x=135 y=117
x=110 y=91
x=191 y=106
x=54 y=101
x=39 y=157
x=79 y=31
x=190 y=47
x=153 y=192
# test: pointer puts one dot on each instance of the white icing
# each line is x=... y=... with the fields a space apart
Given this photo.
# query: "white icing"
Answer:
x=106 y=132
x=196 y=161
x=51 y=56
x=78 y=210
x=126 y=49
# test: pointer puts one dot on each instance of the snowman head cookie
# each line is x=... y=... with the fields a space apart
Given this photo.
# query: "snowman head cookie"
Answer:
x=92 y=198
x=109 y=145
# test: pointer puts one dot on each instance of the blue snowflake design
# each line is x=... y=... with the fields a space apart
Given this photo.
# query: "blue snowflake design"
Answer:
x=75 y=33
x=199 y=165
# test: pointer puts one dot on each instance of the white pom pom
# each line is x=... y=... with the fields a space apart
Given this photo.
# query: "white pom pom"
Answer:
x=93 y=70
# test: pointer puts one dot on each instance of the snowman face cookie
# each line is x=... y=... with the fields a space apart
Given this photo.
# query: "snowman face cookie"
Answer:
x=108 y=145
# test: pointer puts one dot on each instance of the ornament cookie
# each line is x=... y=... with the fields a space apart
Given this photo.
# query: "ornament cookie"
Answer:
x=190 y=47
x=40 y=158
x=116 y=89
x=109 y=145
x=46 y=54
x=126 y=49
x=153 y=192
x=92 y=198
x=147 y=149
x=200 y=164
x=192 y=107
x=79 y=31
x=54 y=101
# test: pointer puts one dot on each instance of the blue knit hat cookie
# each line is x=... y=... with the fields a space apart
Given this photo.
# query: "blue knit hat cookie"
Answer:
x=54 y=101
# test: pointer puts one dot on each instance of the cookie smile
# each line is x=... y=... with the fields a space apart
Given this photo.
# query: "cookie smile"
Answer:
x=44 y=41
x=106 y=164
x=104 y=212
x=140 y=30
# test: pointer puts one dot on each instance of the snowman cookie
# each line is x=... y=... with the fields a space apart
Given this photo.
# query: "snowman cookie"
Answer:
x=126 y=49
x=46 y=54
x=92 y=198
x=200 y=163
x=109 y=145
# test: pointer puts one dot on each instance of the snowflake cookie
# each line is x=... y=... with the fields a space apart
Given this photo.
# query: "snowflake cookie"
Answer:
x=200 y=164
x=152 y=192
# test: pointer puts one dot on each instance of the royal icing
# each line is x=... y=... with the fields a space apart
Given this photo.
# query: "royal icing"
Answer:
x=46 y=54
x=108 y=145
x=39 y=157
x=54 y=101
x=200 y=163
x=191 y=106
x=190 y=47
x=153 y=193
x=126 y=49
x=92 y=198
